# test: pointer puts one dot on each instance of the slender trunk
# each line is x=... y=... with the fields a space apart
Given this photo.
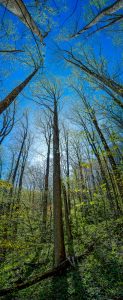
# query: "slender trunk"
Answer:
x=103 y=174
x=17 y=207
x=110 y=157
x=68 y=223
x=113 y=189
x=116 y=171
x=59 y=247
x=68 y=175
x=45 y=198
x=11 y=168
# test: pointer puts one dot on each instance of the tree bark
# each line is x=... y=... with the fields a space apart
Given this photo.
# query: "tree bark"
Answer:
x=68 y=223
x=59 y=247
x=68 y=172
x=45 y=198
x=11 y=96
x=18 y=8
x=19 y=157
x=17 y=204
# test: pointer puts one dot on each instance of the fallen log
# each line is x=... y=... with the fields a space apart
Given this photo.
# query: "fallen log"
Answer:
x=26 y=284
x=53 y=272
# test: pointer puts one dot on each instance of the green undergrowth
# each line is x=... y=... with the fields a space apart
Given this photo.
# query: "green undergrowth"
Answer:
x=98 y=276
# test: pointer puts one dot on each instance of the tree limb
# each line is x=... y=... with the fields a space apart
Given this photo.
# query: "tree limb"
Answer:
x=11 y=51
x=113 y=21
x=106 y=11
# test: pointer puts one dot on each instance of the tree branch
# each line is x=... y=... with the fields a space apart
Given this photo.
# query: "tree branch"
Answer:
x=106 y=11
x=11 y=51
x=18 y=8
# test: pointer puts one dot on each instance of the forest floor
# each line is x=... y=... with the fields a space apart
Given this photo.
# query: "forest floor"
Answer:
x=97 y=277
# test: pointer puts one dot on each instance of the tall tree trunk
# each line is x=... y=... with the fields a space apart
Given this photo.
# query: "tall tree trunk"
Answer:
x=66 y=138
x=96 y=152
x=114 y=195
x=45 y=198
x=68 y=223
x=117 y=174
x=59 y=247
x=11 y=96
x=91 y=113
x=110 y=83
x=18 y=159
x=68 y=176
x=17 y=204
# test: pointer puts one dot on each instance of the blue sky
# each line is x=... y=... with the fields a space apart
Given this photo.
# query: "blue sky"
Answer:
x=17 y=71
x=14 y=71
